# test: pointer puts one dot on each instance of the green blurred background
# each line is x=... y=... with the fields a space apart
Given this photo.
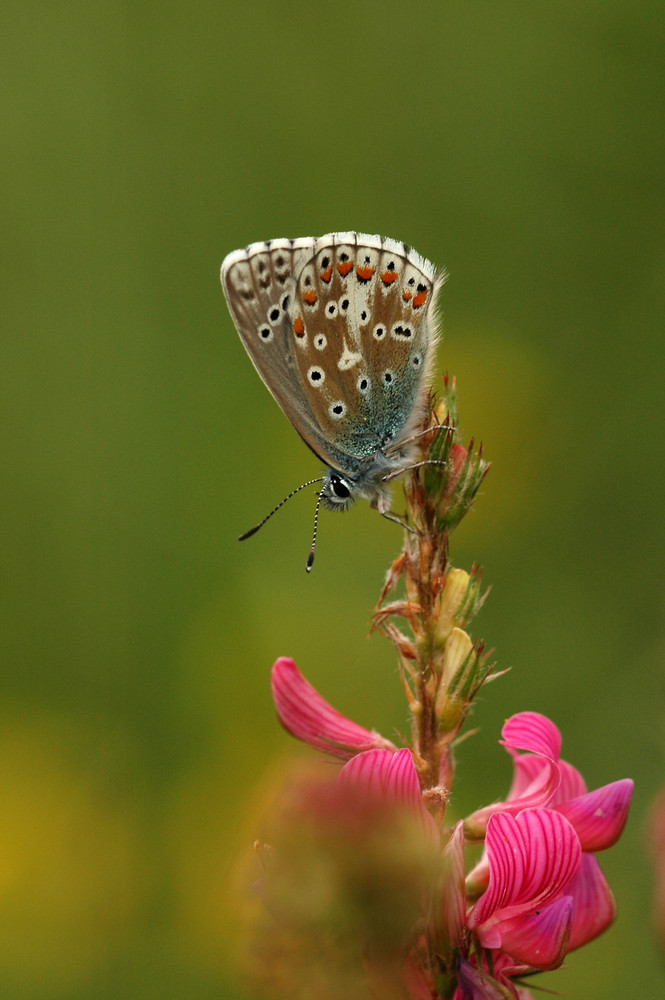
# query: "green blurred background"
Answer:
x=519 y=144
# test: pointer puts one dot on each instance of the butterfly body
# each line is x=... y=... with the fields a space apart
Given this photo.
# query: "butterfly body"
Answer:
x=342 y=330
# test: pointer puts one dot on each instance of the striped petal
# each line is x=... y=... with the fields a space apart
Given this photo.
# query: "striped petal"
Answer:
x=540 y=940
x=531 y=858
x=532 y=732
x=393 y=777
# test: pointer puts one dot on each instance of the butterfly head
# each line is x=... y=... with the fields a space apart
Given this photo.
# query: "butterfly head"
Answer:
x=337 y=492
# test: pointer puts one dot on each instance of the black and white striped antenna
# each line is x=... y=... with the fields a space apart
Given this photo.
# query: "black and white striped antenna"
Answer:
x=252 y=531
x=310 y=557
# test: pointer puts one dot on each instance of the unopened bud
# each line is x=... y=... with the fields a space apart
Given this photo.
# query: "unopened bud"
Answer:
x=455 y=655
x=453 y=602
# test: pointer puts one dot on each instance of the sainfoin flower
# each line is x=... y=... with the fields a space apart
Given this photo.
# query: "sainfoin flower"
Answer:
x=368 y=888
x=537 y=892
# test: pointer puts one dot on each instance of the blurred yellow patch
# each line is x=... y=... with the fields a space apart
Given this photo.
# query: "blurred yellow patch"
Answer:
x=68 y=861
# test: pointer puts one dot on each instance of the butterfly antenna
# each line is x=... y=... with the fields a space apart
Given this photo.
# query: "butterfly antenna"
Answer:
x=310 y=557
x=252 y=531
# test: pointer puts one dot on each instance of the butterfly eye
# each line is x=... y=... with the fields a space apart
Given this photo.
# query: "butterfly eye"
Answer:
x=339 y=488
x=401 y=332
x=416 y=360
x=379 y=332
x=331 y=309
x=337 y=410
x=316 y=376
x=320 y=341
x=363 y=384
x=274 y=314
x=266 y=334
x=388 y=377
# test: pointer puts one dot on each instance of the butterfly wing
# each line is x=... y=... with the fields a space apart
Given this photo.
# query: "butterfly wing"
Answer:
x=259 y=285
x=365 y=332
x=341 y=330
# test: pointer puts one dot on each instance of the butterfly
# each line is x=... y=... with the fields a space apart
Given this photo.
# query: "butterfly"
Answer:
x=342 y=329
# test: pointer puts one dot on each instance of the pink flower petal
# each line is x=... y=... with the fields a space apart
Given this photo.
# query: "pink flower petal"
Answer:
x=392 y=776
x=595 y=908
x=541 y=939
x=528 y=771
x=599 y=816
x=553 y=851
x=537 y=773
x=453 y=896
x=571 y=785
x=531 y=859
x=533 y=733
x=310 y=718
x=506 y=862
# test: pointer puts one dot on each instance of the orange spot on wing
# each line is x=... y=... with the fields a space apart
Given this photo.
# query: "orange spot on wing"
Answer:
x=310 y=297
x=327 y=274
x=298 y=327
x=344 y=267
x=419 y=299
x=365 y=273
x=388 y=277
x=406 y=295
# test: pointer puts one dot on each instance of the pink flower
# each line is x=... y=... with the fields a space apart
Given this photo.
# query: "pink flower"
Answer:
x=544 y=782
x=537 y=892
x=526 y=911
x=541 y=778
x=524 y=919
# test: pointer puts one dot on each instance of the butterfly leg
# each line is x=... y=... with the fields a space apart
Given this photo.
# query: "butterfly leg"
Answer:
x=414 y=437
x=389 y=516
x=398 y=520
x=409 y=468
